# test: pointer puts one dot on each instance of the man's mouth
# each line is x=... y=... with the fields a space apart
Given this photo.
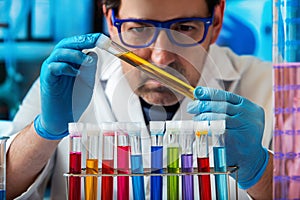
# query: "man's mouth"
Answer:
x=154 y=82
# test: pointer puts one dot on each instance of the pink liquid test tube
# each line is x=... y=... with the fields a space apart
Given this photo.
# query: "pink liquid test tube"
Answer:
x=123 y=151
x=75 y=130
x=108 y=138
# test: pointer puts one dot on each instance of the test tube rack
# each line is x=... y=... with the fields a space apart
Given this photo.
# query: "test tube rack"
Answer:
x=232 y=186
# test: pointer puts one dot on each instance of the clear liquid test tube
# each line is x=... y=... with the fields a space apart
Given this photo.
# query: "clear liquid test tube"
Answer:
x=134 y=131
x=173 y=157
x=75 y=130
x=217 y=129
x=202 y=151
x=3 y=167
x=157 y=129
x=150 y=69
x=108 y=139
x=92 y=160
x=123 y=150
x=186 y=139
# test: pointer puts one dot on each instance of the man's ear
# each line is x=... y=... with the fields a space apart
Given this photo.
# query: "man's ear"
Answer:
x=218 y=20
x=107 y=15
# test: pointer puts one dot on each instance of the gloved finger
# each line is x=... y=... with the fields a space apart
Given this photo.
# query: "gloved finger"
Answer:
x=69 y=56
x=210 y=116
x=87 y=73
x=198 y=106
x=79 y=42
x=205 y=93
x=59 y=69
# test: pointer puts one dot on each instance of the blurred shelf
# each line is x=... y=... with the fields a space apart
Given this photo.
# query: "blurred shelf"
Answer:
x=28 y=51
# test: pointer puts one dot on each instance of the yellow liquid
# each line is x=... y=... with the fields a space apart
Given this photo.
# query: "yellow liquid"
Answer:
x=158 y=74
x=91 y=182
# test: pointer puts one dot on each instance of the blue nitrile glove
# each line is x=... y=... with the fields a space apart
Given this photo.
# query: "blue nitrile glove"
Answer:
x=243 y=134
x=66 y=64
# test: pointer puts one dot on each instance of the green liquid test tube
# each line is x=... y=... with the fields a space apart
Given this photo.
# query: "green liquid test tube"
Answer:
x=173 y=155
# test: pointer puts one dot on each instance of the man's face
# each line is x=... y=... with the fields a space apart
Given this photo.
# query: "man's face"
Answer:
x=183 y=62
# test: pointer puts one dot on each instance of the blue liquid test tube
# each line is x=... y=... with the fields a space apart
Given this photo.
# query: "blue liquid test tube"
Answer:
x=217 y=129
x=157 y=129
x=186 y=139
x=134 y=132
x=173 y=157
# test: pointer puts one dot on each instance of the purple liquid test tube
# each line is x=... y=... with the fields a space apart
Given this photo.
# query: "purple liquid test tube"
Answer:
x=186 y=142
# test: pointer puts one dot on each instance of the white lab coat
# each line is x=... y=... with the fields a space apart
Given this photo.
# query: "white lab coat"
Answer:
x=246 y=76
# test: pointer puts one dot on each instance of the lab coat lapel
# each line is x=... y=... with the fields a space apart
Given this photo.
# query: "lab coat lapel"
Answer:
x=124 y=103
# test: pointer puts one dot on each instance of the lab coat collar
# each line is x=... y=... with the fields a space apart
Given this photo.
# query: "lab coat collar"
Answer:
x=224 y=67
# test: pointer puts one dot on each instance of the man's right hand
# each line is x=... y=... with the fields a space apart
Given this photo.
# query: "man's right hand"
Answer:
x=58 y=74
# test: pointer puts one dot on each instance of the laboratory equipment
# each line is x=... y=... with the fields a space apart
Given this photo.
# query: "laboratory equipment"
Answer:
x=286 y=91
x=217 y=129
x=173 y=157
x=150 y=69
x=157 y=130
x=3 y=140
x=108 y=139
x=202 y=151
x=136 y=158
x=123 y=150
x=186 y=139
x=75 y=130
x=92 y=158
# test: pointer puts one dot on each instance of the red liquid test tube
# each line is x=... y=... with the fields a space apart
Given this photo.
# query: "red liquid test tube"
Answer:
x=108 y=138
x=202 y=150
x=75 y=130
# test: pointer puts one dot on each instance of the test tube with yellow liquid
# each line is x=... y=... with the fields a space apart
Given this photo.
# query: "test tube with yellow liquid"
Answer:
x=92 y=156
x=150 y=69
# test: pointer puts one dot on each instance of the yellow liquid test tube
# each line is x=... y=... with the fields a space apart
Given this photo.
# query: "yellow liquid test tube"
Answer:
x=91 y=182
x=150 y=69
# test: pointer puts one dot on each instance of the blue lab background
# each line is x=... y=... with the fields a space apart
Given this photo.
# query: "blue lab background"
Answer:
x=35 y=26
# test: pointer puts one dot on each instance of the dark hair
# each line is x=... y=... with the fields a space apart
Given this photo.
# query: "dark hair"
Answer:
x=114 y=4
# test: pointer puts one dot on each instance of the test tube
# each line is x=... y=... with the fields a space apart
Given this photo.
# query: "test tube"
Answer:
x=202 y=150
x=173 y=156
x=92 y=157
x=3 y=140
x=134 y=131
x=150 y=69
x=217 y=129
x=123 y=150
x=75 y=130
x=108 y=138
x=157 y=129
x=187 y=138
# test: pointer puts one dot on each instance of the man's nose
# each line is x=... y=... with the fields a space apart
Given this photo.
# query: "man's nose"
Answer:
x=162 y=53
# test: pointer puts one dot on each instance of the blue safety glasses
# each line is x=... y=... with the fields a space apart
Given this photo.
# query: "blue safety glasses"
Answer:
x=185 y=32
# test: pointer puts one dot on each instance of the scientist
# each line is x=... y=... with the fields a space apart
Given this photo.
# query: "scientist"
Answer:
x=173 y=34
